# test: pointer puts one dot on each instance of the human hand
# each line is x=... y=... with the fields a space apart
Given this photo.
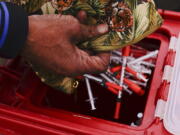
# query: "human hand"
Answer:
x=51 y=44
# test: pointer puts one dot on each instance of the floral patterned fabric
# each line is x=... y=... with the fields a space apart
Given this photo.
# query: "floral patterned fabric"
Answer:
x=129 y=20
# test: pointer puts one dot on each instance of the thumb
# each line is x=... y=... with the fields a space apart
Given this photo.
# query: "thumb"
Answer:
x=87 y=32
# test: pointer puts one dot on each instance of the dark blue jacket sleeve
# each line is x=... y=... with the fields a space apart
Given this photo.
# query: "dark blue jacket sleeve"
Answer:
x=13 y=29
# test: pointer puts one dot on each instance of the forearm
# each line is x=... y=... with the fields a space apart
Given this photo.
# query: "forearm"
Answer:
x=13 y=29
x=14 y=24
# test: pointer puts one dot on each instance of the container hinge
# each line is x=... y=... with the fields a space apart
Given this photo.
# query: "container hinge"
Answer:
x=160 y=109
x=167 y=73
x=171 y=52
x=172 y=44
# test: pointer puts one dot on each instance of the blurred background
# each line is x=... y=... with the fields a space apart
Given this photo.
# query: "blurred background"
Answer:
x=168 y=4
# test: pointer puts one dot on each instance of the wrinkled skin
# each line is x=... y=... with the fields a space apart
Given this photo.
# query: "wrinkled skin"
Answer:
x=51 y=44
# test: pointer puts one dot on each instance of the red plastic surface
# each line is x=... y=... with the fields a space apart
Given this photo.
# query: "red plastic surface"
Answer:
x=22 y=110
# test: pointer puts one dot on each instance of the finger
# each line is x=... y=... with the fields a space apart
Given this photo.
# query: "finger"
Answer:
x=95 y=64
x=82 y=16
x=91 y=64
x=87 y=32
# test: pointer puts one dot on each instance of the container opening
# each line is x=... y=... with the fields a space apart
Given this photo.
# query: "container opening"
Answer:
x=18 y=86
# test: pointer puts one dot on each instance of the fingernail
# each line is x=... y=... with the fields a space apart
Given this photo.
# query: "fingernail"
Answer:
x=102 y=28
